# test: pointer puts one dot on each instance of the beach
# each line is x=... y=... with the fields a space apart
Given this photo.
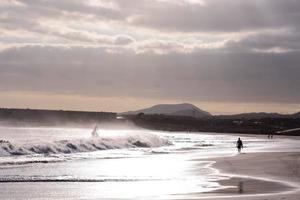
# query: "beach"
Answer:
x=71 y=163
x=266 y=175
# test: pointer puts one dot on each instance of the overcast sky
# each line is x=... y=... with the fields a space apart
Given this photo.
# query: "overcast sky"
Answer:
x=225 y=56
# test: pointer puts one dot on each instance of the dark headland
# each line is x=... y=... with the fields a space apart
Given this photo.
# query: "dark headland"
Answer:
x=188 y=117
x=167 y=117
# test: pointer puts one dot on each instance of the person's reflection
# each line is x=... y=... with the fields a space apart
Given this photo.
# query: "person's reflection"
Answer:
x=241 y=186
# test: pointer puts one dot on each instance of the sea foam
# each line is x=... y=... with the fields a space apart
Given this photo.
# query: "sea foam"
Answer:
x=8 y=148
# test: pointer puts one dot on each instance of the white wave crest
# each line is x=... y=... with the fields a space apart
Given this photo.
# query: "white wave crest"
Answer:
x=8 y=148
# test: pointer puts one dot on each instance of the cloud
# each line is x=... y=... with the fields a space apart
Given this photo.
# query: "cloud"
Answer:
x=193 y=50
x=216 y=15
x=103 y=10
x=123 y=40
x=270 y=42
x=206 y=76
x=105 y=22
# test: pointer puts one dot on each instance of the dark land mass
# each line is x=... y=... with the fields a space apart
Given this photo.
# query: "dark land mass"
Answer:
x=259 y=115
x=242 y=123
x=217 y=124
x=190 y=110
x=188 y=117
x=32 y=117
x=182 y=109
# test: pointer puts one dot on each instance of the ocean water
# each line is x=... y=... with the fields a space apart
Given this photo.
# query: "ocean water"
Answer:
x=68 y=163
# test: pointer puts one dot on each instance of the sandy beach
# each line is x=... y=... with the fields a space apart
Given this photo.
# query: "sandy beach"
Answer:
x=267 y=176
x=115 y=165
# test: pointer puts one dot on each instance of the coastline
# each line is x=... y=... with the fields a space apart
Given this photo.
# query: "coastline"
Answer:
x=255 y=176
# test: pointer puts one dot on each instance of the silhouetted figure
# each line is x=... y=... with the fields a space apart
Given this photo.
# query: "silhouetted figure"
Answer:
x=269 y=136
x=272 y=136
x=94 y=132
x=239 y=145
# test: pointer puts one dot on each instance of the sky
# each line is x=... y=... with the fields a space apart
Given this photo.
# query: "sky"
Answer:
x=224 y=56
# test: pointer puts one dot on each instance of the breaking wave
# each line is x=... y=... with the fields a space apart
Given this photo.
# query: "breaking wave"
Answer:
x=8 y=148
x=21 y=179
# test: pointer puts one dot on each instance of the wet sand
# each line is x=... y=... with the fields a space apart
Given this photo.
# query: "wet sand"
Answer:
x=266 y=176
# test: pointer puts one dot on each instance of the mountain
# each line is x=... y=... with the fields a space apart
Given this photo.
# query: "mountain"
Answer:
x=184 y=109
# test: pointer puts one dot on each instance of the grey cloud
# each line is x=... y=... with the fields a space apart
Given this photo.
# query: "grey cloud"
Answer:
x=206 y=76
x=123 y=40
x=288 y=41
x=213 y=16
x=157 y=67
x=79 y=7
x=217 y=15
x=33 y=15
x=38 y=12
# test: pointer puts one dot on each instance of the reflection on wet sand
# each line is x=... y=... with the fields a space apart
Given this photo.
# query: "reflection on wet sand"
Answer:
x=235 y=185
x=241 y=187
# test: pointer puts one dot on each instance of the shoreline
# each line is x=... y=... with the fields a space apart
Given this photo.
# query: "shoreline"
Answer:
x=271 y=175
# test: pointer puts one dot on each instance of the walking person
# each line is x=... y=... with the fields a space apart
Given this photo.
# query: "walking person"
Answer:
x=239 y=145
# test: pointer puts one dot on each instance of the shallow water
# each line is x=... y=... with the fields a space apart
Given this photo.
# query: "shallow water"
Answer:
x=67 y=163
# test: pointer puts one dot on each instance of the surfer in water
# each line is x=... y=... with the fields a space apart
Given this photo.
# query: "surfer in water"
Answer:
x=94 y=132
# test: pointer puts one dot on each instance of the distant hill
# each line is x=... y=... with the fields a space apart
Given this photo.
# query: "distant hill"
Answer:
x=295 y=115
x=184 y=109
x=258 y=115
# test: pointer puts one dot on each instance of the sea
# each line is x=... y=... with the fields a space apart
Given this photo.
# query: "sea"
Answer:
x=127 y=163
